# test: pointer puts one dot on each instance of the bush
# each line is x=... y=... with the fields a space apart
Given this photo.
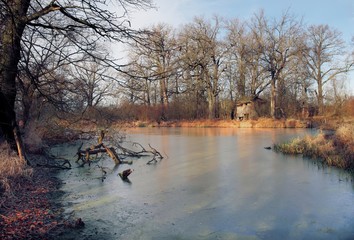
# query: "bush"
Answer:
x=11 y=166
x=344 y=140
x=335 y=150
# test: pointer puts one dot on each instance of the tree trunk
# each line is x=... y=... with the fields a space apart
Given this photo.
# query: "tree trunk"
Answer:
x=211 y=104
x=273 y=99
x=7 y=119
x=233 y=106
x=241 y=84
x=10 y=37
x=320 y=97
x=163 y=97
x=213 y=92
x=27 y=101
x=26 y=110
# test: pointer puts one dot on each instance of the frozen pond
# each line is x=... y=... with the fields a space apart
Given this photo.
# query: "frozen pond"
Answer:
x=214 y=184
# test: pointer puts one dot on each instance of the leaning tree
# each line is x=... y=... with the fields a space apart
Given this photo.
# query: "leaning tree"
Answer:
x=54 y=18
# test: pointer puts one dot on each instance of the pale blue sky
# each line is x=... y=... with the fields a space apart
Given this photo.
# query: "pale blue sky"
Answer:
x=338 y=14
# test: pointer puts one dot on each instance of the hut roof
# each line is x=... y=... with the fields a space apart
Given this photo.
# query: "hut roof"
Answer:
x=247 y=100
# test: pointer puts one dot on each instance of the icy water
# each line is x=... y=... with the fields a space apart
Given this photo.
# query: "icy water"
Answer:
x=212 y=184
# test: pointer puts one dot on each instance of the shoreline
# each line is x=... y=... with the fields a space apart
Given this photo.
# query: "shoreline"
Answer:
x=33 y=210
x=316 y=122
x=333 y=149
x=260 y=123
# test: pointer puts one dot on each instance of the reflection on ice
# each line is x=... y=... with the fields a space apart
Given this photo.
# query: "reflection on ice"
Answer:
x=214 y=184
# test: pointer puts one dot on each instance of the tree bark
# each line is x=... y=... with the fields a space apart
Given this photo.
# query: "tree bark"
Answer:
x=273 y=98
x=10 y=37
x=7 y=119
x=320 y=97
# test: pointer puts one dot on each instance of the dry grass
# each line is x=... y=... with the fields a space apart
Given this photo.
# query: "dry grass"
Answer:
x=334 y=150
x=11 y=166
x=204 y=123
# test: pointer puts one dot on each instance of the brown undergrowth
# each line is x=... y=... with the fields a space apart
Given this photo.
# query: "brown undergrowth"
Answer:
x=334 y=149
x=205 y=123
x=29 y=198
x=11 y=166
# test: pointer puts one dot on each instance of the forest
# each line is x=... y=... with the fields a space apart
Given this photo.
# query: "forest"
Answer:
x=206 y=69
x=202 y=70
x=60 y=71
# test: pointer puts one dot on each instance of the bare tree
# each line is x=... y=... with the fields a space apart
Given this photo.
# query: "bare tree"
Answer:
x=324 y=57
x=42 y=71
x=62 y=16
x=192 y=83
x=154 y=63
x=244 y=69
x=239 y=52
x=163 y=48
x=205 y=58
x=138 y=90
x=278 y=43
x=92 y=83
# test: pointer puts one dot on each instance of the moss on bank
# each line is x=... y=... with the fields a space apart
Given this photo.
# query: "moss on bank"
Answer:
x=335 y=149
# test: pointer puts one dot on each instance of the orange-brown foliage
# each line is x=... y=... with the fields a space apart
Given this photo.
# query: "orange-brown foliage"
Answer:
x=349 y=107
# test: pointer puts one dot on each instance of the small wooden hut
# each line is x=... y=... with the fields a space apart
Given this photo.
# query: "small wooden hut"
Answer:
x=247 y=109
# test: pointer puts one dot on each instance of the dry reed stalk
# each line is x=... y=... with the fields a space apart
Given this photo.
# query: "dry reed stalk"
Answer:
x=11 y=166
x=334 y=150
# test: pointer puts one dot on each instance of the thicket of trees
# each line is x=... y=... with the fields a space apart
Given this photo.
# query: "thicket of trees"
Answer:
x=47 y=45
x=53 y=60
x=204 y=68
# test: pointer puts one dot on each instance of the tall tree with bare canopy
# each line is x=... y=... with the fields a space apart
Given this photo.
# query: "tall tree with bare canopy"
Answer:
x=55 y=18
x=323 y=58
x=278 y=44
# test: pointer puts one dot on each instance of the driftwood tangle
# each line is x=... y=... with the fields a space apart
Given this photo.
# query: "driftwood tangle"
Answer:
x=84 y=154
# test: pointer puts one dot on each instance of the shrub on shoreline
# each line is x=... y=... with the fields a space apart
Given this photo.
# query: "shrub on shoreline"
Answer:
x=11 y=166
x=333 y=149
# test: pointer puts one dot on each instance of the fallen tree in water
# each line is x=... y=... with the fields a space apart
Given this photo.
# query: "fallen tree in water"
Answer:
x=117 y=153
x=84 y=155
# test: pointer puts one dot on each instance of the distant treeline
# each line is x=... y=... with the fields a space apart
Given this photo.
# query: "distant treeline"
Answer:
x=207 y=69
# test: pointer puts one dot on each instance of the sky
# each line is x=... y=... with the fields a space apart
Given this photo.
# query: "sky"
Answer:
x=338 y=14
